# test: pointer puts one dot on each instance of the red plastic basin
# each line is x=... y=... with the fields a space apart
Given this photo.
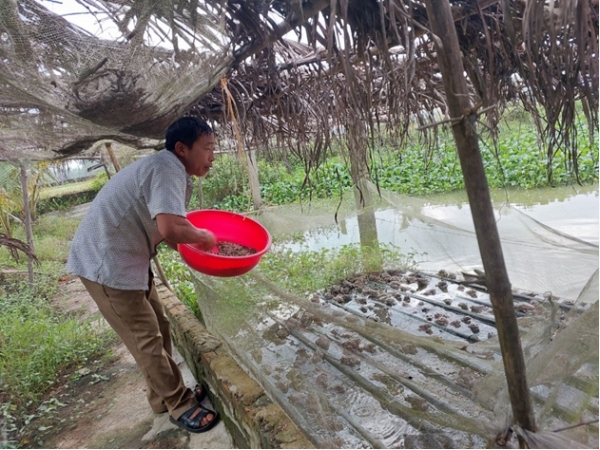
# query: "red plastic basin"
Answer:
x=229 y=227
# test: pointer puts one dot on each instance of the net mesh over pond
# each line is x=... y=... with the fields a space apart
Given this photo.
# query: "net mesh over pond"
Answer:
x=126 y=74
x=393 y=354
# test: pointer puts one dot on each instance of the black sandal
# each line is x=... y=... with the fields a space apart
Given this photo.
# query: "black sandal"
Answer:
x=193 y=424
x=199 y=392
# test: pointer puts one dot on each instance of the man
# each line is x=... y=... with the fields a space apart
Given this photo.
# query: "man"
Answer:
x=141 y=206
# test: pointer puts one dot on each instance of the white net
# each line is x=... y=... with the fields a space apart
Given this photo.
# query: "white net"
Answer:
x=389 y=355
x=126 y=75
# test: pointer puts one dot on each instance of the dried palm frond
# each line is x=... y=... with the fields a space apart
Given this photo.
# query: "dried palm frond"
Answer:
x=360 y=67
x=15 y=245
x=370 y=67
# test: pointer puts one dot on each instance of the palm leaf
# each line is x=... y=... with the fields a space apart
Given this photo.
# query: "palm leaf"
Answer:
x=16 y=245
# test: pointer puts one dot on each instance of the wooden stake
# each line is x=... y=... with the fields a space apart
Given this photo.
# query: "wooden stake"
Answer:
x=467 y=144
x=112 y=155
x=28 y=226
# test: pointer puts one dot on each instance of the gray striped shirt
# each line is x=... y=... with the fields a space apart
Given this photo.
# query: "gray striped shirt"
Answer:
x=118 y=236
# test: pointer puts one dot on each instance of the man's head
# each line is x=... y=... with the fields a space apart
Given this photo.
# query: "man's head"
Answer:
x=193 y=142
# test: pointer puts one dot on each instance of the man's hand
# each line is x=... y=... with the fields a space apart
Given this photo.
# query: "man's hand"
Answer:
x=178 y=230
x=207 y=243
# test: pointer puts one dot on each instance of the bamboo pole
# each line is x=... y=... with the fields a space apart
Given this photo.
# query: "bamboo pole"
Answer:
x=113 y=156
x=28 y=226
x=465 y=136
x=117 y=166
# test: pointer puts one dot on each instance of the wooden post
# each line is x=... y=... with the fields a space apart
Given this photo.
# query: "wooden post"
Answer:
x=252 y=165
x=113 y=157
x=496 y=276
x=117 y=166
x=28 y=226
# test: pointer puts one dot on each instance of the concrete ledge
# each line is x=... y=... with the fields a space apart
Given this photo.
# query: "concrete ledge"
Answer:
x=249 y=414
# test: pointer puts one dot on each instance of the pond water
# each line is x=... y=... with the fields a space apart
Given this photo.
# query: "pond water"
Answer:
x=73 y=169
x=410 y=359
x=549 y=236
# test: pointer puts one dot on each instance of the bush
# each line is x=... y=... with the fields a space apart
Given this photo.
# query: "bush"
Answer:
x=99 y=181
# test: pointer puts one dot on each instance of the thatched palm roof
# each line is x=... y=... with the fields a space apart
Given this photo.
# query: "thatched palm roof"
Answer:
x=357 y=65
x=368 y=65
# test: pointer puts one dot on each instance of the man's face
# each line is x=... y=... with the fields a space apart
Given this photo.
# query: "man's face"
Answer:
x=198 y=158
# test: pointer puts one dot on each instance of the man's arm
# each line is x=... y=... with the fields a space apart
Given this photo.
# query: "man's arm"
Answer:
x=173 y=245
x=178 y=230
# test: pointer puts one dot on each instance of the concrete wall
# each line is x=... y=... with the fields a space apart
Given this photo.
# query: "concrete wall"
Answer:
x=252 y=418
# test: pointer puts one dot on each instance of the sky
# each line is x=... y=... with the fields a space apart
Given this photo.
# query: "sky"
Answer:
x=77 y=14
x=100 y=24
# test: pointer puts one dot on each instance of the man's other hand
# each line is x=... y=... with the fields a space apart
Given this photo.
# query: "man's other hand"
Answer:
x=207 y=242
x=179 y=230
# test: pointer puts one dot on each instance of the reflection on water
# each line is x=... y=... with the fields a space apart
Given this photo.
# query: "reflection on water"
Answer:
x=549 y=236
x=570 y=210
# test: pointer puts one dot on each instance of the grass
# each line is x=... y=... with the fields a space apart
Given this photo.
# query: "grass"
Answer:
x=37 y=345
x=179 y=277
x=311 y=270
x=298 y=271
x=52 y=239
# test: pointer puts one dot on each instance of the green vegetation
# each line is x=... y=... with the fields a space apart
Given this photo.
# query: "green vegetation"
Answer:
x=179 y=277
x=296 y=271
x=512 y=163
x=516 y=160
x=66 y=196
x=69 y=188
x=308 y=271
x=65 y=202
x=38 y=345
x=12 y=203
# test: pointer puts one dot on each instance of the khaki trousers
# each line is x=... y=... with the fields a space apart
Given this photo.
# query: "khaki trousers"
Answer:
x=139 y=319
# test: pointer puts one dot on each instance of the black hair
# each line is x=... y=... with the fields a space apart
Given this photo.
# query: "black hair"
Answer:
x=186 y=130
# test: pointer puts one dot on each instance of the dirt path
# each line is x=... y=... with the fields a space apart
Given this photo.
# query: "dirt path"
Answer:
x=104 y=404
